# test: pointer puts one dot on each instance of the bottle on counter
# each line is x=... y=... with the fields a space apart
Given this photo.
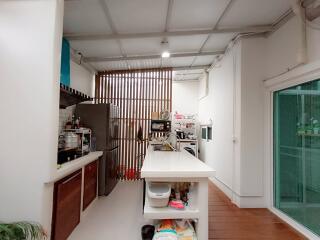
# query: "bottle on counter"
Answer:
x=73 y=121
x=77 y=124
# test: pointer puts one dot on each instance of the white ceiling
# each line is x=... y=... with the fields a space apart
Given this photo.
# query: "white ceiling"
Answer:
x=148 y=16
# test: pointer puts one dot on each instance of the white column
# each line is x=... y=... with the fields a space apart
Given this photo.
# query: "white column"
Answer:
x=30 y=33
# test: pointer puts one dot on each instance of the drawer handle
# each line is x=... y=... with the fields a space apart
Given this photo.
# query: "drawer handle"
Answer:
x=69 y=179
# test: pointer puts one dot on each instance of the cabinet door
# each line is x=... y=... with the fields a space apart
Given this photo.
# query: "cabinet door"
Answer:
x=90 y=184
x=67 y=206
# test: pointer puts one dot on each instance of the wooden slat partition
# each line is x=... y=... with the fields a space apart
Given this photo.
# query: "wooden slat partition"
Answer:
x=138 y=93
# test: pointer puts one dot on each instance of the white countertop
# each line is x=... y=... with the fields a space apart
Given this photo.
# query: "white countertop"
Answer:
x=72 y=166
x=160 y=164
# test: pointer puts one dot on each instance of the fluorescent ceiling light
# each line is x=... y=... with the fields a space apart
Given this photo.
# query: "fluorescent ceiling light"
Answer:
x=165 y=54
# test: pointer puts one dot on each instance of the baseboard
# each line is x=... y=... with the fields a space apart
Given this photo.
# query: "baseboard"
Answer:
x=298 y=227
x=250 y=202
x=240 y=201
x=223 y=187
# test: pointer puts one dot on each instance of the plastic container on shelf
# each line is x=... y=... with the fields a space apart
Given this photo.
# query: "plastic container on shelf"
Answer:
x=158 y=194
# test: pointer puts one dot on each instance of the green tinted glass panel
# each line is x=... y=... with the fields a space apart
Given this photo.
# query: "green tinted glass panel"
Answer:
x=297 y=153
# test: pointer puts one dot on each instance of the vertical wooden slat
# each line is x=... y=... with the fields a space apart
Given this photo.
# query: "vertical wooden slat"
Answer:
x=149 y=102
x=159 y=89
x=96 y=88
x=119 y=85
x=118 y=91
x=170 y=84
x=138 y=93
x=129 y=117
x=144 y=107
x=136 y=122
x=156 y=97
x=109 y=89
x=98 y=91
x=168 y=91
x=139 y=123
x=112 y=88
x=105 y=88
x=102 y=88
x=122 y=123
x=125 y=125
x=131 y=122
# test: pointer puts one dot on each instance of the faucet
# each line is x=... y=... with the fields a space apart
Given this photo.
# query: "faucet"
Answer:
x=176 y=148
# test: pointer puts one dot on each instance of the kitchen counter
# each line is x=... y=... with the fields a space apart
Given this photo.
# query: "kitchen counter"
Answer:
x=74 y=165
x=162 y=164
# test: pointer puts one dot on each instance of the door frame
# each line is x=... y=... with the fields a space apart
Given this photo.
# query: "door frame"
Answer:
x=303 y=74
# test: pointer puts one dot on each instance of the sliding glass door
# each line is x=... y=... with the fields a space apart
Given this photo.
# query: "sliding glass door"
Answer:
x=297 y=153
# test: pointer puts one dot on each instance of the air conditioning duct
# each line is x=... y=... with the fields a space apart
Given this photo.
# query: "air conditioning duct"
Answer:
x=299 y=11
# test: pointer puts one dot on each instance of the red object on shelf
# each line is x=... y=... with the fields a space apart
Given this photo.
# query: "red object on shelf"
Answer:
x=131 y=174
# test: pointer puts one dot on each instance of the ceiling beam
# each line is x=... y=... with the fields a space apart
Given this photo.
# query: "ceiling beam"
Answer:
x=282 y=20
x=224 y=12
x=248 y=29
x=107 y=14
x=227 y=9
x=169 y=15
x=199 y=67
x=145 y=57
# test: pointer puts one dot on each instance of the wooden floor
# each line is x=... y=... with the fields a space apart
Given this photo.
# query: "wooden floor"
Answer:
x=226 y=221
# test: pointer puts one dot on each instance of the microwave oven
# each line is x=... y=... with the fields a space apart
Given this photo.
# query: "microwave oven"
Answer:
x=160 y=126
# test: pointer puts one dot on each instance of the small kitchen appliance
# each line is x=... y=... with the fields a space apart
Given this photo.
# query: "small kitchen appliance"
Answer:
x=160 y=126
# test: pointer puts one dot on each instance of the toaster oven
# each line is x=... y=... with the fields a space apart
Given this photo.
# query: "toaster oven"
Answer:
x=160 y=126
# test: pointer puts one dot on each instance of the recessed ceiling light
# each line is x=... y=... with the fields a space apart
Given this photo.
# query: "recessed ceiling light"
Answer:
x=165 y=54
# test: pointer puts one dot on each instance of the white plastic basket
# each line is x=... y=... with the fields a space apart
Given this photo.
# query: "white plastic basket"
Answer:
x=158 y=194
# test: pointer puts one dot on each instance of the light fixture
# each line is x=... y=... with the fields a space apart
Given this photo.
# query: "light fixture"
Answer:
x=165 y=49
x=165 y=54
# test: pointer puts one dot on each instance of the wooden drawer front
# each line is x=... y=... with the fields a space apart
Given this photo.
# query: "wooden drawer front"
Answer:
x=90 y=184
x=67 y=205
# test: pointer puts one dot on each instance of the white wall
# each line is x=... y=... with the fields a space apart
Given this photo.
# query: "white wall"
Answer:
x=30 y=33
x=185 y=95
x=283 y=46
x=252 y=116
x=218 y=106
x=235 y=103
x=81 y=79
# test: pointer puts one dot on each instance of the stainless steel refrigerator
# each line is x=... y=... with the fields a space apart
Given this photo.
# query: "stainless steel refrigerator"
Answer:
x=103 y=120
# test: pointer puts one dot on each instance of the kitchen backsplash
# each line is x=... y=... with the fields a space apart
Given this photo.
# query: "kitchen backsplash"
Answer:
x=64 y=115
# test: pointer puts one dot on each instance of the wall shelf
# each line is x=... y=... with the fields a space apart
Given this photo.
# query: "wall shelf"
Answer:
x=169 y=213
x=70 y=96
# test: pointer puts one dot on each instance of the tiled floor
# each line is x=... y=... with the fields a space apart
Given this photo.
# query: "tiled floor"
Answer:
x=119 y=217
x=226 y=221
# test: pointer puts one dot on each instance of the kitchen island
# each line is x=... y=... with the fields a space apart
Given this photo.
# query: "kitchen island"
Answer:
x=168 y=166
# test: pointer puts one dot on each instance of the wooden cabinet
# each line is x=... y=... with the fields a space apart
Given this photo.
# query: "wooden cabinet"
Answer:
x=90 y=183
x=66 y=205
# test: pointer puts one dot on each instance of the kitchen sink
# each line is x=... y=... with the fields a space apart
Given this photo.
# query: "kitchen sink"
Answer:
x=162 y=148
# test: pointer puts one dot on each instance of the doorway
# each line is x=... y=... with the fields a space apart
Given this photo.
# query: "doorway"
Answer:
x=296 y=139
